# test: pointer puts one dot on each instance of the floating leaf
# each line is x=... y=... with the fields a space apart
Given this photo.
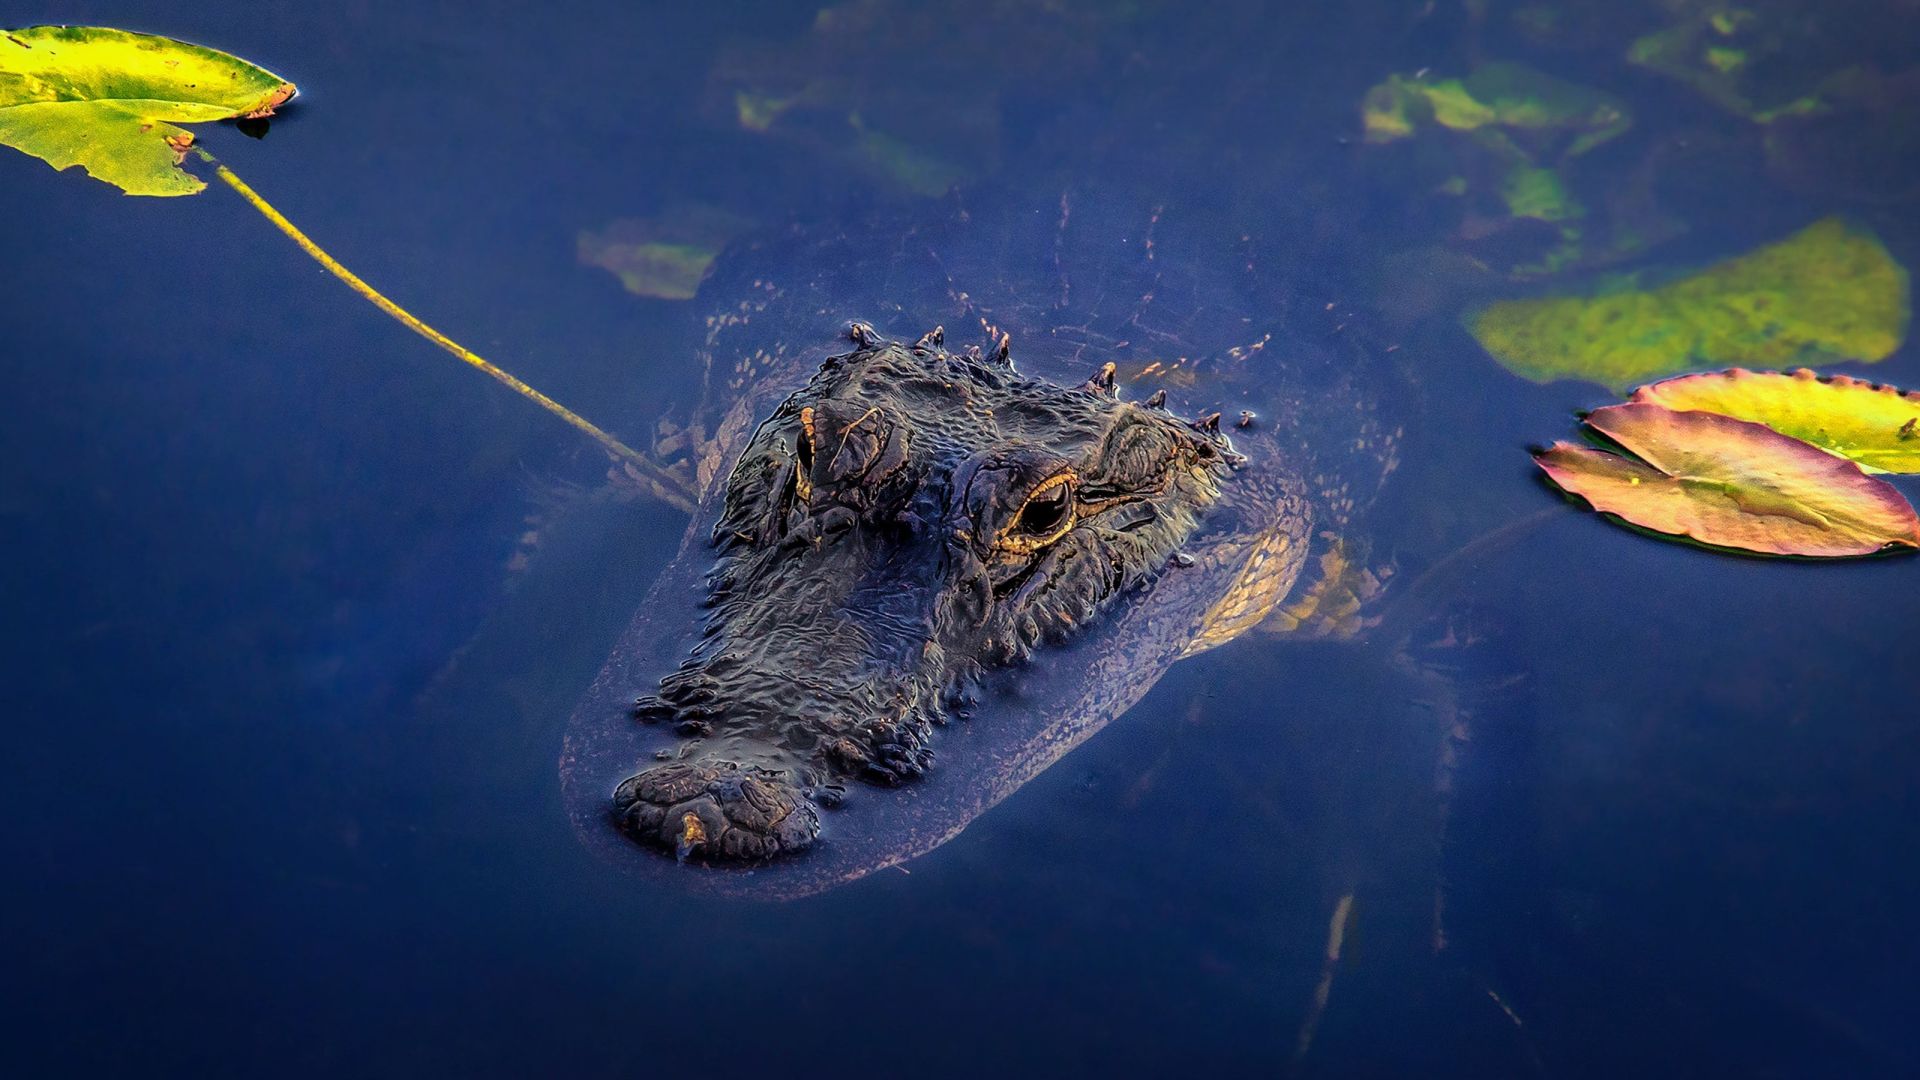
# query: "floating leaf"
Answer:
x=1731 y=484
x=1828 y=291
x=102 y=99
x=1875 y=426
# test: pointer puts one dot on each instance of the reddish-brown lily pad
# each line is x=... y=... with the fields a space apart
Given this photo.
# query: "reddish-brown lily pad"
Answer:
x=1732 y=484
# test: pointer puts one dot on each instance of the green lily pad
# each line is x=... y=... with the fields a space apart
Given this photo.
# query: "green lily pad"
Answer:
x=1829 y=291
x=109 y=101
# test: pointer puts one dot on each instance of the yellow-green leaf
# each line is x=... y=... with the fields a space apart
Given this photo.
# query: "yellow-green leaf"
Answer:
x=108 y=101
x=1875 y=426
x=1829 y=291
x=1732 y=484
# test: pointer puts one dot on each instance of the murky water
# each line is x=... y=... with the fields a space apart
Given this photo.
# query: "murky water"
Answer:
x=288 y=674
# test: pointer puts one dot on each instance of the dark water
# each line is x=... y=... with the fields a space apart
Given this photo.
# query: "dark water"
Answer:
x=279 y=789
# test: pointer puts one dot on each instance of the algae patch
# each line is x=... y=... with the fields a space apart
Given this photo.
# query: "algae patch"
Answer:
x=1500 y=100
x=1829 y=291
x=666 y=257
x=1509 y=135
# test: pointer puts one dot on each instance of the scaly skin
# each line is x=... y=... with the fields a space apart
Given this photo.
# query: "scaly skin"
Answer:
x=907 y=521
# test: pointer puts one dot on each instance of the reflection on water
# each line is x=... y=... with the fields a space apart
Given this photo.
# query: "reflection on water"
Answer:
x=297 y=609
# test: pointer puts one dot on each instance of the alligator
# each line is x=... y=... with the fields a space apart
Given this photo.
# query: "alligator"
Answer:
x=936 y=569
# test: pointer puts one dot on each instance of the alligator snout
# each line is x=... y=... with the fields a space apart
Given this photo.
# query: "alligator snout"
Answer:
x=716 y=811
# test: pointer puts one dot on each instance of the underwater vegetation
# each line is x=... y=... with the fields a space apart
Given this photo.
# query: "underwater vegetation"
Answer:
x=665 y=257
x=1828 y=292
x=1557 y=186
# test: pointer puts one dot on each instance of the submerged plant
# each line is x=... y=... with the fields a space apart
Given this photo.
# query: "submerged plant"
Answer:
x=666 y=257
x=1511 y=134
x=1503 y=102
x=1829 y=291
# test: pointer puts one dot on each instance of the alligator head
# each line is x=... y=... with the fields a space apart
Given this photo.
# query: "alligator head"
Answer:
x=905 y=523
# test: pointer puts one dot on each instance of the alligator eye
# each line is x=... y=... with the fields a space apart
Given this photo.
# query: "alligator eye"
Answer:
x=1044 y=517
x=803 y=457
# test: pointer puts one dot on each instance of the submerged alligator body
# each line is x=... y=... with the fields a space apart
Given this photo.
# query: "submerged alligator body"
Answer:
x=918 y=575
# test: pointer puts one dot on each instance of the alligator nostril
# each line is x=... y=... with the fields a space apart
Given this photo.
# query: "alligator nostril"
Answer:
x=692 y=827
x=693 y=836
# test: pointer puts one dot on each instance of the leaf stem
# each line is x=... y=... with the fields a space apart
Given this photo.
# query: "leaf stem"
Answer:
x=663 y=484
